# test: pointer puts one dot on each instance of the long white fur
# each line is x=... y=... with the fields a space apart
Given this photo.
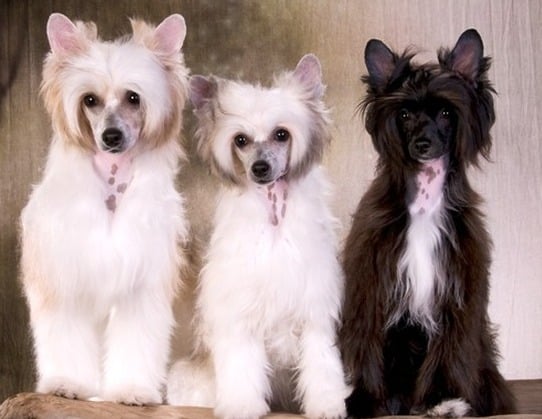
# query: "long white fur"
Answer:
x=99 y=284
x=419 y=271
x=269 y=296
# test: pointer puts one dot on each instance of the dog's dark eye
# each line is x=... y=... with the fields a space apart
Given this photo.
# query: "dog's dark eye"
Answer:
x=404 y=114
x=90 y=101
x=282 y=135
x=240 y=140
x=132 y=97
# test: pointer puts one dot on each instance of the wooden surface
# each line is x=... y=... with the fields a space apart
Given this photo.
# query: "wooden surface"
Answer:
x=252 y=40
x=35 y=405
x=43 y=406
x=528 y=395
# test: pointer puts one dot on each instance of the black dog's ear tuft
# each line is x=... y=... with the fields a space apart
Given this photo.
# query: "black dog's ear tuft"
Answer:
x=467 y=57
x=380 y=62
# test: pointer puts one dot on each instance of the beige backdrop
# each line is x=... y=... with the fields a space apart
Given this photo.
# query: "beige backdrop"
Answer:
x=251 y=39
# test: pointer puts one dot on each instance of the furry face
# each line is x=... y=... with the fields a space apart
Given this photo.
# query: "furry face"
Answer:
x=256 y=134
x=114 y=96
x=419 y=113
x=265 y=161
x=415 y=336
x=116 y=115
x=115 y=122
x=426 y=129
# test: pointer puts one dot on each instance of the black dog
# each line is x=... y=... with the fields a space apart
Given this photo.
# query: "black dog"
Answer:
x=416 y=337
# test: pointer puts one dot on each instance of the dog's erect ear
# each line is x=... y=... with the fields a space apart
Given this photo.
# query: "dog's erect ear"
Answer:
x=202 y=89
x=467 y=56
x=380 y=62
x=169 y=35
x=64 y=36
x=309 y=73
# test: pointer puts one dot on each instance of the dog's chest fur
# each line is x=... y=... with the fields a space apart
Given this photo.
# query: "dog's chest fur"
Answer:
x=419 y=269
x=269 y=276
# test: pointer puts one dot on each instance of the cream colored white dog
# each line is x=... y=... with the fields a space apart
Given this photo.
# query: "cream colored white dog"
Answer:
x=101 y=232
x=271 y=288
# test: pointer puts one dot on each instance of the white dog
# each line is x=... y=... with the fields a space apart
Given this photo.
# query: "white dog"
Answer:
x=271 y=288
x=100 y=234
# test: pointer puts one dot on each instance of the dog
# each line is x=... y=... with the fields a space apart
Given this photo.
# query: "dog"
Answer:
x=102 y=233
x=415 y=336
x=271 y=287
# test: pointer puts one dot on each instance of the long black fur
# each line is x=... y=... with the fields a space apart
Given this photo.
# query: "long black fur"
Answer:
x=404 y=368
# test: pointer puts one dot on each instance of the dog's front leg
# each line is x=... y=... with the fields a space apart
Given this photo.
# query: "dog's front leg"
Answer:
x=242 y=384
x=67 y=350
x=447 y=366
x=362 y=338
x=137 y=347
x=321 y=377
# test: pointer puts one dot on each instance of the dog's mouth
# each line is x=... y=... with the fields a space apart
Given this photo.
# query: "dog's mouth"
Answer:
x=113 y=150
x=429 y=160
x=263 y=182
x=263 y=173
x=267 y=182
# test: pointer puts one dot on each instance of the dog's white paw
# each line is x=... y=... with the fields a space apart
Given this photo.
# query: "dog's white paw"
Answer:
x=327 y=408
x=133 y=396
x=65 y=387
x=453 y=408
x=241 y=409
x=326 y=401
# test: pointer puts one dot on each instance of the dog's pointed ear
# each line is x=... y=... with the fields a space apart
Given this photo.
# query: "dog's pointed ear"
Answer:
x=202 y=90
x=309 y=73
x=467 y=57
x=380 y=62
x=63 y=35
x=170 y=34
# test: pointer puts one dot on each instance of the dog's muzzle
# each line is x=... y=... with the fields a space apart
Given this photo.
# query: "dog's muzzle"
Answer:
x=113 y=140
x=421 y=146
x=261 y=171
x=425 y=148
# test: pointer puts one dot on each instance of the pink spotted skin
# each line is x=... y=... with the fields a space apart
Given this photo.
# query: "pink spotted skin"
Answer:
x=429 y=183
x=275 y=197
x=116 y=172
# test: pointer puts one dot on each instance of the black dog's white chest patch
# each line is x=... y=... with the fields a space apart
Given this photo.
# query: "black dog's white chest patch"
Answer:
x=419 y=268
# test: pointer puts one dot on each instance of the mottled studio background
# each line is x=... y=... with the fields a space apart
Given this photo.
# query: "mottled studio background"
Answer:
x=253 y=39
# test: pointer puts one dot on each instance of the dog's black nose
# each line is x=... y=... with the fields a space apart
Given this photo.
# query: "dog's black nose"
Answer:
x=422 y=146
x=260 y=169
x=112 y=139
